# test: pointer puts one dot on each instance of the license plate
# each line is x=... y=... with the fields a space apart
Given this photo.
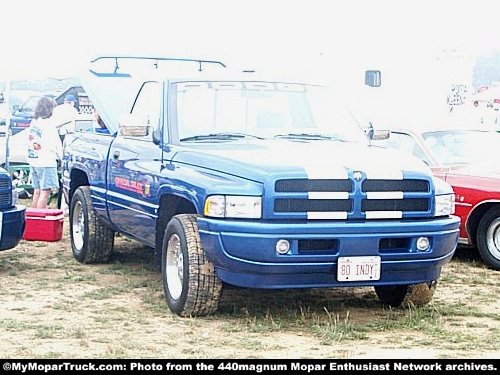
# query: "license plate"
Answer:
x=358 y=268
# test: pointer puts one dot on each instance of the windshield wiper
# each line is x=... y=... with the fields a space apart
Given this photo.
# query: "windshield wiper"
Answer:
x=219 y=136
x=309 y=136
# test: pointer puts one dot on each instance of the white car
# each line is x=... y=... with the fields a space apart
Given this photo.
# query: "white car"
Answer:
x=18 y=146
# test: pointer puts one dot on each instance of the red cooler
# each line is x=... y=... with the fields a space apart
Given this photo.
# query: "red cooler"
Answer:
x=43 y=224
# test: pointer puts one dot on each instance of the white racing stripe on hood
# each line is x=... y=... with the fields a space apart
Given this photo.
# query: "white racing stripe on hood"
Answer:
x=384 y=173
x=320 y=172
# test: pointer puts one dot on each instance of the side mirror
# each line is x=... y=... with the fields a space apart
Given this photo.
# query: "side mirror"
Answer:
x=15 y=108
x=373 y=78
x=156 y=137
x=130 y=126
x=369 y=131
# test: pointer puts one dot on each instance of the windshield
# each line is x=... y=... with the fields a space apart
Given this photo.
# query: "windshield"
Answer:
x=219 y=110
x=463 y=147
x=30 y=104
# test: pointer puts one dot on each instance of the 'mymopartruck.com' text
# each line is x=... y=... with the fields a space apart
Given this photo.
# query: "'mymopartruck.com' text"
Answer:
x=247 y=366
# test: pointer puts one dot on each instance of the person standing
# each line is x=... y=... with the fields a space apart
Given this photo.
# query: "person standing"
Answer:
x=44 y=152
x=99 y=125
x=64 y=116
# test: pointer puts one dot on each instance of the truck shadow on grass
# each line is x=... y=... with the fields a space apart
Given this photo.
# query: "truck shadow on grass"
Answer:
x=467 y=254
x=239 y=302
x=319 y=300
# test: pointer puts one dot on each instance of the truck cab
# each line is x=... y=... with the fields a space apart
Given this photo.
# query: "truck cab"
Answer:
x=254 y=182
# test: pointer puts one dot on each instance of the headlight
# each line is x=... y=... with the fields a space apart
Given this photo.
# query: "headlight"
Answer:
x=233 y=206
x=15 y=196
x=445 y=205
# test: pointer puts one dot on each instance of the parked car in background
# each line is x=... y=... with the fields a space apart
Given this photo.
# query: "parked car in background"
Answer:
x=3 y=113
x=18 y=146
x=469 y=161
x=21 y=107
x=22 y=115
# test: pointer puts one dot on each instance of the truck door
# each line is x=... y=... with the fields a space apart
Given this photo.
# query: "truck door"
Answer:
x=134 y=165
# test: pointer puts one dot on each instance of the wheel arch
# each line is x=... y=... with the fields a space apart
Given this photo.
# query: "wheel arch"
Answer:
x=77 y=178
x=475 y=217
x=170 y=205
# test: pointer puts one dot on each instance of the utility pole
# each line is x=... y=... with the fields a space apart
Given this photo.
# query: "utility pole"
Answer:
x=7 y=122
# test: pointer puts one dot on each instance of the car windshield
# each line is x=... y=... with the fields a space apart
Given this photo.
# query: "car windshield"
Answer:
x=463 y=147
x=30 y=104
x=208 y=111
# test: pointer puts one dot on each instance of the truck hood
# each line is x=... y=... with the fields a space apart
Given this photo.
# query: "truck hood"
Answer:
x=259 y=160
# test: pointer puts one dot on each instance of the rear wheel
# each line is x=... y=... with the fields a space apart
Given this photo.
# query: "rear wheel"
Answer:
x=189 y=280
x=406 y=295
x=91 y=240
x=488 y=238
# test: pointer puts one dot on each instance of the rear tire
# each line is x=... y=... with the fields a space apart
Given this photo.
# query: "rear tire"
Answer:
x=190 y=284
x=488 y=238
x=406 y=295
x=91 y=240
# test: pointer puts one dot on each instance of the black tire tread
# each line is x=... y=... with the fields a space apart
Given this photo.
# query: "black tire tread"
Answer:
x=407 y=295
x=100 y=238
x=204 y=288
x=482 y=246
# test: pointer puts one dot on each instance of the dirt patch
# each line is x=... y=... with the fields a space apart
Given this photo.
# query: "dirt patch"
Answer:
x=51 y=306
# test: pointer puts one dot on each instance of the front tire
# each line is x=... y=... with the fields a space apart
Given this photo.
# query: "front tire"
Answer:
x=406 y=295
x=190 y=284
x=91 y=240
x=488 y=238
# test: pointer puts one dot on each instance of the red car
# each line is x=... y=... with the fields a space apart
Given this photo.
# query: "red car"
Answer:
x=469 y=160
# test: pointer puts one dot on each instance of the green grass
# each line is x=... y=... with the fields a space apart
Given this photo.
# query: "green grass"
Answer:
x=118 y=310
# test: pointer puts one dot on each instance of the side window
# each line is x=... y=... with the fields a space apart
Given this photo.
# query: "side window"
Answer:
x=408 y=144
x=147 y=106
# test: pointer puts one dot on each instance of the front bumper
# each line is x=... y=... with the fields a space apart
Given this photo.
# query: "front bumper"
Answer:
x=12 y=227
x=243 y=252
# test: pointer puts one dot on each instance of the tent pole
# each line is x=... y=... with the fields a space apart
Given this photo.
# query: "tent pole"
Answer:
x=7 y=122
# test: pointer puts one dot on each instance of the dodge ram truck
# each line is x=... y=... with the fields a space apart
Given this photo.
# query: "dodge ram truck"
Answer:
x=12 y=215
x=236 y=179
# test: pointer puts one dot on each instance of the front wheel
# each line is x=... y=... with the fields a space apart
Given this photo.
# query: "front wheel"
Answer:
x=91 y=240
x=406 y=295
x=189 y=280
x=488 y=238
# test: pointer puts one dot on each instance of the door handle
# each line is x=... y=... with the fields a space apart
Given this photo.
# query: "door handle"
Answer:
x=116 y=155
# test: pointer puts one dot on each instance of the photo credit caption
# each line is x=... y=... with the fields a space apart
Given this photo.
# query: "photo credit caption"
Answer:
x=253 y=366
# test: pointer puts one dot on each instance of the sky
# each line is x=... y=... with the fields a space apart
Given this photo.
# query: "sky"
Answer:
x=57 y=38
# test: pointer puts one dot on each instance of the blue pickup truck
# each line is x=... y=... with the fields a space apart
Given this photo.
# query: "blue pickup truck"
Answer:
x=12 y=216
x=237 y=179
